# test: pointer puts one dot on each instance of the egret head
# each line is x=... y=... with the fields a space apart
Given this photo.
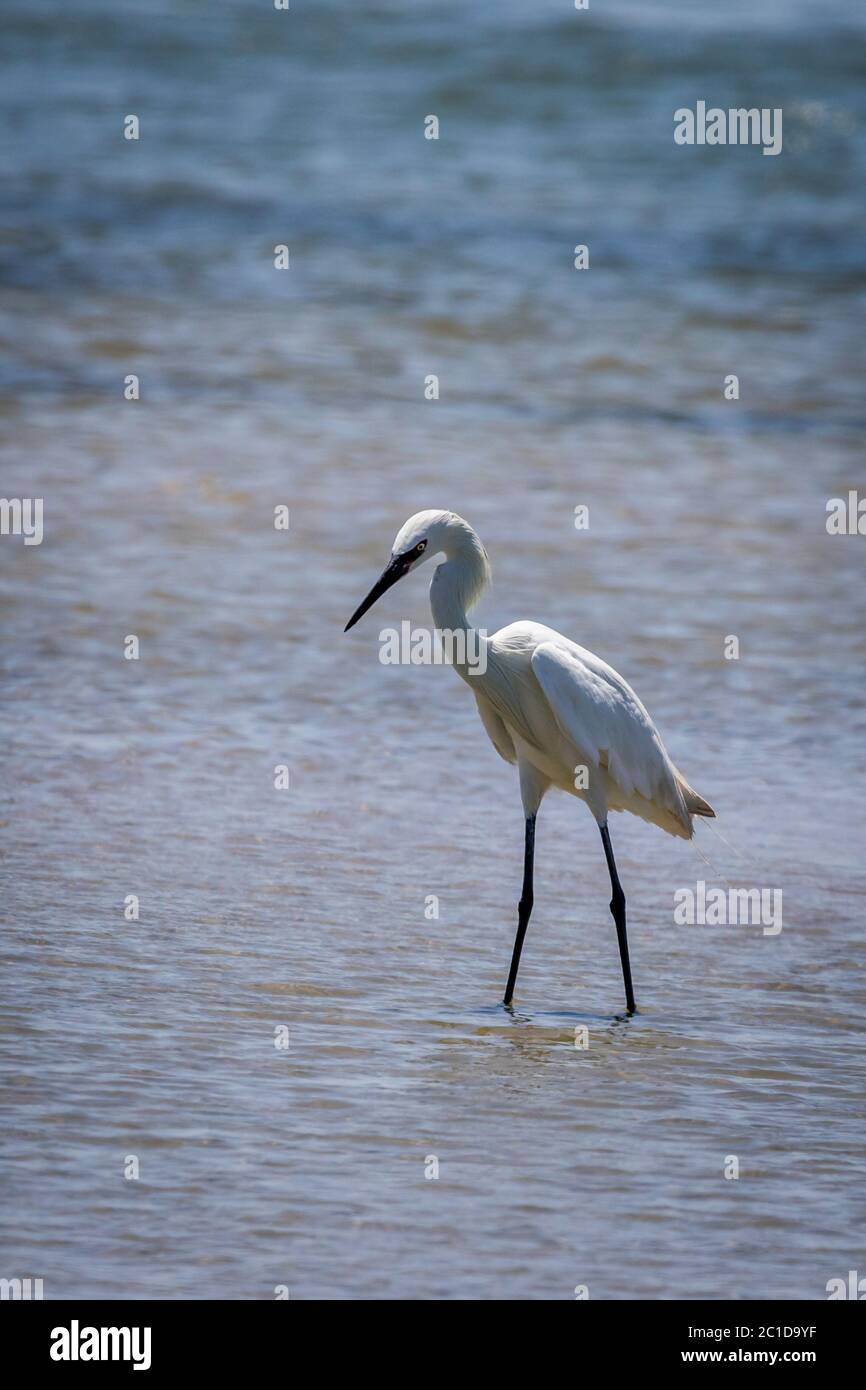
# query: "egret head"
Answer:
x=425 y=534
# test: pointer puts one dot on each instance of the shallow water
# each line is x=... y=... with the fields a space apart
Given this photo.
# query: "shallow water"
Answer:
x=558 y=1166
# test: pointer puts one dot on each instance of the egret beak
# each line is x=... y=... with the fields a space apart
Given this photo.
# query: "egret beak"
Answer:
x=394 y=570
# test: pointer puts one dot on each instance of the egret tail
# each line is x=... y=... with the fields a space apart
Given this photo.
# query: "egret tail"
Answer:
x=695 y=804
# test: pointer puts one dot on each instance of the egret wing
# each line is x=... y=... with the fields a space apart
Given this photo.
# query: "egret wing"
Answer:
x=602 y=716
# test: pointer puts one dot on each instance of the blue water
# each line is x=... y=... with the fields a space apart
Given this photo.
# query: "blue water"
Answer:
x=408 y=257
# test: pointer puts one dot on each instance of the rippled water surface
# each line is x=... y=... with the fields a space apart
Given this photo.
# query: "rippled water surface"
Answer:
x=305 y=908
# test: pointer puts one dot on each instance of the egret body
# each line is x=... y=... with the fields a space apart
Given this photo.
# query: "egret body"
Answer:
x=552 y=708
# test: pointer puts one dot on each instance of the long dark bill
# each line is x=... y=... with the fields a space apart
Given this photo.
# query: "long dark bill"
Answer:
x=393 y=571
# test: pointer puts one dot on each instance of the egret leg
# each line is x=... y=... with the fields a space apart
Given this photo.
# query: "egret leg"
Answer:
x=524 y=907
x=617 y=907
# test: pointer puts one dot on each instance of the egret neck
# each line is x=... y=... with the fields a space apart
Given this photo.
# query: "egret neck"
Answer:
x=457 y=585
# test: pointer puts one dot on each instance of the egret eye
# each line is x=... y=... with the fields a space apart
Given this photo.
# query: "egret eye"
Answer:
x=420 y=546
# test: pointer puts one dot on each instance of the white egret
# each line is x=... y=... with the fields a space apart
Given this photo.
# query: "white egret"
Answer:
x=561 y=714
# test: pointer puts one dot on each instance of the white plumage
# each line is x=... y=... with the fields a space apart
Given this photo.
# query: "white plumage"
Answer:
x=566 y=718
x=562 y=709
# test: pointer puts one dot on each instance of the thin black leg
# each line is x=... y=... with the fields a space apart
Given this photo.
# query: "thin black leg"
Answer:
x=617 y=907
x=524 y=907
